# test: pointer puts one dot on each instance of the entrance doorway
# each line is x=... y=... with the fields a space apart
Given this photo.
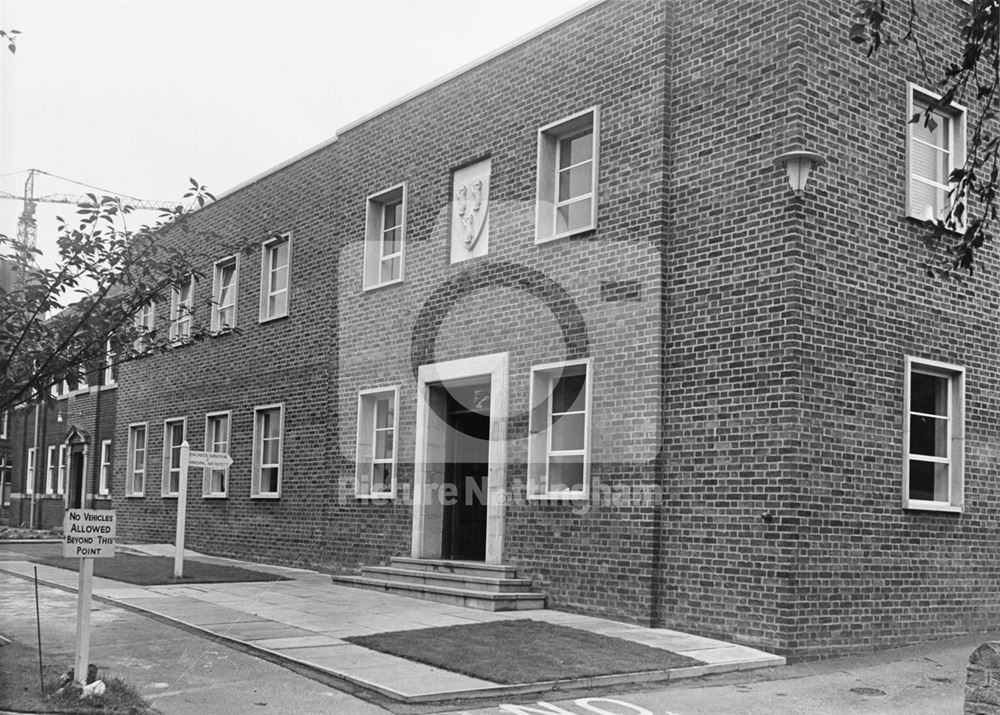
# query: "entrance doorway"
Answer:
x=467 y=449
x=460 y=460
x=75 y=490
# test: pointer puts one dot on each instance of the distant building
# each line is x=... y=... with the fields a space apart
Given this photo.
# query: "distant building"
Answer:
x=559 y=313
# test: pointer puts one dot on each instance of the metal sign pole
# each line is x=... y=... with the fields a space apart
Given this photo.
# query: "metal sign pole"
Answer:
x=181 y=510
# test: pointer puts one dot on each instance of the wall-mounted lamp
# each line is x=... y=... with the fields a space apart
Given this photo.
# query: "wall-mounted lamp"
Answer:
x=799 y=165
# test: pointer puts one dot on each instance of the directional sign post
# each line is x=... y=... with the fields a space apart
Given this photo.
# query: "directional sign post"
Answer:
x=88 y=534
x=192 y=458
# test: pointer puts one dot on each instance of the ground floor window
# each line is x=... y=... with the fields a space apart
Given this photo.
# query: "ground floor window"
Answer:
x=173 y=439
x=217 y=427
x=559 y=439
x=135 y=473
x=6 y=473
x=378 y=412
x=267 y=436
x=104 y=480
x=933 y=435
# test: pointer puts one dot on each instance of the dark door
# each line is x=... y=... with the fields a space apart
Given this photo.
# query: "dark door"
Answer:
x=76 y=495
x=467 y=447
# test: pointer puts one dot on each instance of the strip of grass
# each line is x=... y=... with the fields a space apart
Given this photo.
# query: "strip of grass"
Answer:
x=159 y=570
x=522 y=651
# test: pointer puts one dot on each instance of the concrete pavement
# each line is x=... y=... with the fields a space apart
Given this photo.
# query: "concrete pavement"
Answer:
x=302 y=622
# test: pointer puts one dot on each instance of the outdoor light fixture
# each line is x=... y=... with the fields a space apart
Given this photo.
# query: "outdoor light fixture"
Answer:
x=799 y=165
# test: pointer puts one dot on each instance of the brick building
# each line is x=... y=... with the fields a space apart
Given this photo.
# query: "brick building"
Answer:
x=59 y=451
x=559 y=312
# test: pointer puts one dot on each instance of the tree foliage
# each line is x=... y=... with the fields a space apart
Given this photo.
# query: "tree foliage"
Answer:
x=972 y=77
x=58 y=323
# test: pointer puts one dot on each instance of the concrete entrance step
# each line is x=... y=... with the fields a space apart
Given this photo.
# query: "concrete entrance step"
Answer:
x=472 y=584
x=449 y=580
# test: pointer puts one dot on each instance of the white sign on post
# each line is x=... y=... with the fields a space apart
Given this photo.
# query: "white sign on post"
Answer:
x=191 y=458
x=87 y=534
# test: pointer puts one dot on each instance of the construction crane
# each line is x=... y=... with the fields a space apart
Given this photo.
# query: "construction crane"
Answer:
x=27 y=225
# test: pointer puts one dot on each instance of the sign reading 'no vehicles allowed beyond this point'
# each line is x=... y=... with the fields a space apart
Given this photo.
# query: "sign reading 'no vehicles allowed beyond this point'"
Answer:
x=89 y=533
x=211 y=460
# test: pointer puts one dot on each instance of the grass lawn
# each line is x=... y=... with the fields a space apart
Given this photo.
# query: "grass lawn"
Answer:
x=159 y=570
x=522 y=651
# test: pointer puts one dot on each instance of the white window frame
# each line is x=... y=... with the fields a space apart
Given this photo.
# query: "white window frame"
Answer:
x=4 y=424
x=375 y=234
x=167 y=456
x=30 y=470
x=51 y=468
x=132 y=469
x=365 y=462
x=956 y=115
x=255 y=490
x=265 y=278
x=145 y=323
x=104 y=478
x=210 y=446
x=181 y=312
x=109 y=365
x=217 y=325
x=63 y=465
x=547 y=204
x=6 y=476
x=543 y=379
x=955 y=459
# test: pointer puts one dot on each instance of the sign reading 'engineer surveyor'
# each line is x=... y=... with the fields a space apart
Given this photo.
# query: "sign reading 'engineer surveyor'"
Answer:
x=89 y=533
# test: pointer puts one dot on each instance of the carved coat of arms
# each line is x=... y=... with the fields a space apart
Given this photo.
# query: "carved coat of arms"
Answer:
x=470 y=217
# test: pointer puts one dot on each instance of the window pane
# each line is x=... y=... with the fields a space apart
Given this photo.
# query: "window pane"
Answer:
x=928 y=481
x=381 y=477
x=279 y=279
x=383 y=444
x=573 y=216
x=269 y=479
x=575 y=181
x=928 y=394
x=574 y=150
x=930 y=163
x=569 y=394
x=566 y=474
x=389 y=270
x=383 y=412
x=390 y=241
x=217 y=481
x=277 y=304
x=929 y=436
x=567 y=432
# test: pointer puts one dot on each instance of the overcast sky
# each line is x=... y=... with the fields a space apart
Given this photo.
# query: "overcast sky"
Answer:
x=135 y=96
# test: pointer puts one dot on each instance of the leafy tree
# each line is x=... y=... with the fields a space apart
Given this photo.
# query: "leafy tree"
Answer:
x=973 y=77
x=58 y=323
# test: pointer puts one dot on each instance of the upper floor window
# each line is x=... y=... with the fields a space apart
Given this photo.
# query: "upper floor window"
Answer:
x=384 y=237
x=4 y=424
x=376 y=459
x=275 y=255
x=933 y=436
x=135 y=472
x=173 y=439
x=181 y=310
x=145 y=323
x=559 y=436
x=224 y=290
x=29 y=474
x=217 y=426
x=935 y=148
x=567 y=176
x=267 y=436
x=110 y=376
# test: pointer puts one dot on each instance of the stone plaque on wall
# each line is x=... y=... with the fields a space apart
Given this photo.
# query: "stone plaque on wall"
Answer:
x=470 y=220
